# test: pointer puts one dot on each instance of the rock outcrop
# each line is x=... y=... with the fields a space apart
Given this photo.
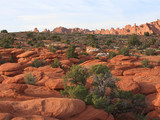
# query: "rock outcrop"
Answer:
x=153 y=27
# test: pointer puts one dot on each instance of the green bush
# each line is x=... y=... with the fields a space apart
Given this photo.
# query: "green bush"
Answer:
x=124 y=51
x=77 y=75
x=88 y=99
x=29 y=34
x=146 y=33
x=98 y=69
x=145 y=63
x=150 y=52
x=6 y=42
x=38 y=63
x=30 y=79
x=93 y=41
x=134 y=41
x=56 y=64
x=84 y=53
x=99 y=102
x=124 y=94
x=78 y=92
x=67 y=42
x=70 y=53
x=112 y=54
x=4 y=31
x=55 y=38
x=51 y=48
x=108 y=42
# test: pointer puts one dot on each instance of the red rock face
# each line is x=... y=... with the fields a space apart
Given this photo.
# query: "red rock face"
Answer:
x=36 y=30
x=153 y=27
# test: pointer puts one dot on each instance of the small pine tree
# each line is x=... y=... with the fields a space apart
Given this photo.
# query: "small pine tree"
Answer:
x=70 y=53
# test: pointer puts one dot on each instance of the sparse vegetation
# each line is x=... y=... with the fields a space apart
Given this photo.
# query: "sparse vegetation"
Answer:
x=112 y=54
x=38 y=63
x=134 y=41
x=145 y=63
x=70 y=53
x=124 y=51
x=30 y=79
x=56 y=64
x=146 y=33
x=150 y=52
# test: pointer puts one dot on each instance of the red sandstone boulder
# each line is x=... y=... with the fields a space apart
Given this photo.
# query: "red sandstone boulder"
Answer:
x=90 y=113
x=154 y=115
x=149 y=100
x=127 y=84
x=26 y=54
x=133 y=71
x=5 y=116
x=1 y=78
x=9 y=67
x=41 y=92
x=34 y=117
x=56 y=84
x=117 y=72
x=156 y=102
x=17 y=52
x=90 y=63
x=18 y=79
x=147 y=83
x=58 y=107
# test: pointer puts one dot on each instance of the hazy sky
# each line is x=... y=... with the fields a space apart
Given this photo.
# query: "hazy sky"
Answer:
x=23 y=15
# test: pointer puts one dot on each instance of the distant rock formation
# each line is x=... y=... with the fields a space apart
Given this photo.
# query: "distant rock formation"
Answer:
x=153 y=27
x=36 y=30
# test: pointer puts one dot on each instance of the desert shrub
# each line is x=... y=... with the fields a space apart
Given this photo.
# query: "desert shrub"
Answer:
x=4 y=31
x=56 y=64
x=123 y=94
x=38 y=63
x=124 y=51
x=108 y=42
x=93 y=41
x=55 y=38
x=98 y=69
x=112 y=54
x=30 y=79
x=146 y=33
x=2 y=61
x=29 y=34
x=77 y=75
x=145 y=63
x=88 y=99
x=134 y=41
x=116 y=102
x=153 y=41
x=6 y=42
x=39 y=44
x=70 y=53
x=67 y=42
x=52 y=48
x=150 y=52
x=78 y=92
x=99 y=102
x=84 y=53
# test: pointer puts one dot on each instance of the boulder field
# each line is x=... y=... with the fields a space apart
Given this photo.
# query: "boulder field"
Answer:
x=43 y=101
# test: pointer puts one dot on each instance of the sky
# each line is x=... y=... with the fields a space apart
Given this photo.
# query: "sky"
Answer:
x=25 y=15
